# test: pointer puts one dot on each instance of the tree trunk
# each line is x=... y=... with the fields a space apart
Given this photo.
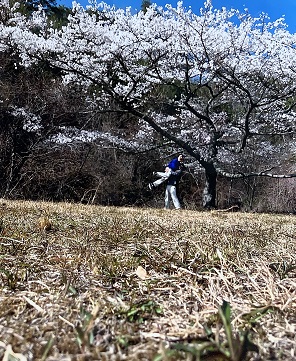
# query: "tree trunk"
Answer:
x=209 y=192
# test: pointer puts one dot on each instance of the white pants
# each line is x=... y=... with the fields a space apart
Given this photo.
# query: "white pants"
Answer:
x=163 y=177
x=171 y=193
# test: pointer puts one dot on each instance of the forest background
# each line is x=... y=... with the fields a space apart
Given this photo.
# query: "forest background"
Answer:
x=68 y=141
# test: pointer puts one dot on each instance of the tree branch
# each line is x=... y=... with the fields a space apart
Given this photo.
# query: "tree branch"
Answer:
x=253 y=174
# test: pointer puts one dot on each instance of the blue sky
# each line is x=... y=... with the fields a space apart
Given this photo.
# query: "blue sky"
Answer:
x=274 y=8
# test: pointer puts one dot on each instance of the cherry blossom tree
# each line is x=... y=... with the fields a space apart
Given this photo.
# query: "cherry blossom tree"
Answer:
x=217 y=85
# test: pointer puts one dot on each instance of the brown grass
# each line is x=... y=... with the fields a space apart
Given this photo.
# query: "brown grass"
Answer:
x=75 y=292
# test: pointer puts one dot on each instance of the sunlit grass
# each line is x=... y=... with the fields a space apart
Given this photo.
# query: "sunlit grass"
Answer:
x=73 y=291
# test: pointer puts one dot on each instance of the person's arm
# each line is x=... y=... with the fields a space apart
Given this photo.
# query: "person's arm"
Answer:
x=183 y=167
x=176 y=172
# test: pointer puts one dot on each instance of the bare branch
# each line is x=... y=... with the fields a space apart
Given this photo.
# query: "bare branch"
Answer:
x=254 y=174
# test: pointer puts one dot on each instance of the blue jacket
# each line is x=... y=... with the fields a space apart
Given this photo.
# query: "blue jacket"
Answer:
x=177 y=169
x=174 y=164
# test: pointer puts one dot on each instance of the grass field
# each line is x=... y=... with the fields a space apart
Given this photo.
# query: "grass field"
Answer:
x=103 y=283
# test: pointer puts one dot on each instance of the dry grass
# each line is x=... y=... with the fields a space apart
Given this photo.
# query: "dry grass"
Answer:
x=75 y=292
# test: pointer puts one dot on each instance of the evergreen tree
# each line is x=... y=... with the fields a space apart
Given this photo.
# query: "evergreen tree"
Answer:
x=56 y=14
x=145 y=4
x=47 y=5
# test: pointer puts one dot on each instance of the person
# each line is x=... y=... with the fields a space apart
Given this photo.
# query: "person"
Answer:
x=176 y=168
x=172 y=175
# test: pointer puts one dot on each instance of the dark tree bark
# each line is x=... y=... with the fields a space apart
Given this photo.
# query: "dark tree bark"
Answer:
x=209 y=192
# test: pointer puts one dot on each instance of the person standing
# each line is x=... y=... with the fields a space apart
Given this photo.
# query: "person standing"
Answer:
x=176 y=168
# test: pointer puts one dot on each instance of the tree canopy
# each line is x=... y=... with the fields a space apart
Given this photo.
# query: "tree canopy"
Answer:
x=219 y=85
